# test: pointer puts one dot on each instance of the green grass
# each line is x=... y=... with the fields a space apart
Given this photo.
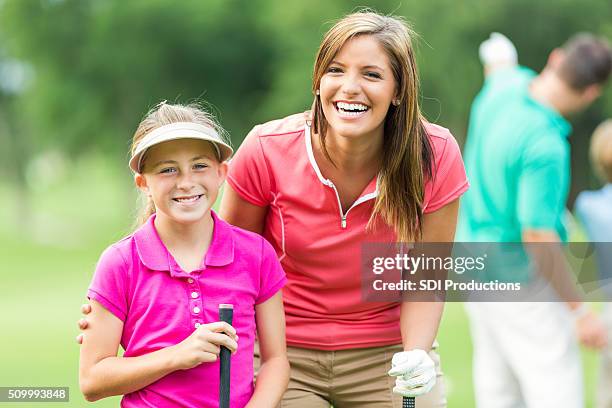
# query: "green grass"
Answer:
x=46 y=270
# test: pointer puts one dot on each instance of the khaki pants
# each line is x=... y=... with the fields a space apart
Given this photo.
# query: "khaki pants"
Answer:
x=355 y=378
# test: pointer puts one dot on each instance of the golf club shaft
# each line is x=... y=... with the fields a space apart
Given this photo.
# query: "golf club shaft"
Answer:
x=226 y=314
x=408 y=402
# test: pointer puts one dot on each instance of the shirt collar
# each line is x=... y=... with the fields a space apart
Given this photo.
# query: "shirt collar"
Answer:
x=369 y=193
x=155 y=256
x=565 y=129
x=555 y=118
x=221 y=250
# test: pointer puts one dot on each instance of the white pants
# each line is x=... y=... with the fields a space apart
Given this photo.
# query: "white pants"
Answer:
x=525 y=355
x=604 y=386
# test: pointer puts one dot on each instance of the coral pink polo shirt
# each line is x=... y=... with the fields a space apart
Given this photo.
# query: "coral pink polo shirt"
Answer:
x=318 y=245
x=139 y=281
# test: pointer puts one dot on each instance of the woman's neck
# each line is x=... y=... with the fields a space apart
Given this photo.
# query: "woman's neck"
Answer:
x=351 y=155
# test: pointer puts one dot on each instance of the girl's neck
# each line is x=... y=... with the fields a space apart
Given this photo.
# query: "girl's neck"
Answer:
x=188 y=243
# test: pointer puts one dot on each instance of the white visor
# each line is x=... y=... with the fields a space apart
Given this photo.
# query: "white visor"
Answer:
x=179 y=130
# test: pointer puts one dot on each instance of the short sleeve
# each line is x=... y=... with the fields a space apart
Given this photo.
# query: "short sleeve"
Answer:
x=271 y=274
x=248 y=172
x=580 y=207
x=541 y=190
x=109 y=284
x=449 y=178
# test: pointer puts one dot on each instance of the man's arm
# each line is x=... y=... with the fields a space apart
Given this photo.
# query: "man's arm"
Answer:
x=547 y=254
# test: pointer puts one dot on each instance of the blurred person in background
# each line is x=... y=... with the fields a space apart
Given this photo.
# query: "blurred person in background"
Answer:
x=497 y=53
x=517 y=159
x=501 y=69
x=594 y=209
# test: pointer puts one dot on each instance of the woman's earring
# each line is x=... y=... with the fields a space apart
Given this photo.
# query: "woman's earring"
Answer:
x=396 y=102
x=317 y=92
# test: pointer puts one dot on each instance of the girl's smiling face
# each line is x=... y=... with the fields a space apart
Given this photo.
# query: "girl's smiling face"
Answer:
x=182 y=177
x=358 y=88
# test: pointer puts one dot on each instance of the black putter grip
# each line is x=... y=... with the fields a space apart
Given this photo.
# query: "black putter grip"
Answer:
x=408 y=402
x=226 y=314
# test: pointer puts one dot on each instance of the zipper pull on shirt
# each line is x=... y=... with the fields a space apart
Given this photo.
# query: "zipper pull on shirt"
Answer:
x=344 y=221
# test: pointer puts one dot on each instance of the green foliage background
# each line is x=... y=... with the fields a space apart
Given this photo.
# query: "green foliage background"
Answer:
x=96 y=66
x=100 y=64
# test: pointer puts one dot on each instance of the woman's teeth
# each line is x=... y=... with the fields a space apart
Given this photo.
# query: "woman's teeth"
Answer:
x=352 y=109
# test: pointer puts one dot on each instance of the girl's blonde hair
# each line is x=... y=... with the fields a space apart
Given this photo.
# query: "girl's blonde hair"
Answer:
x=601 y=151
x=407 y=153
x=164 y=114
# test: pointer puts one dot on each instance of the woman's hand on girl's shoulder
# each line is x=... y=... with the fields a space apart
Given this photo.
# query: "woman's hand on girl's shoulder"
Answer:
x=204 y=345
x=83 y=323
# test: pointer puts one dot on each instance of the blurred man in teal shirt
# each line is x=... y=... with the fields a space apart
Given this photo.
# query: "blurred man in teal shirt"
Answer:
x=518 y=161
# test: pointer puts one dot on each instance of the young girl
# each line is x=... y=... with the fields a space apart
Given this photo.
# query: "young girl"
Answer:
x=156 y=292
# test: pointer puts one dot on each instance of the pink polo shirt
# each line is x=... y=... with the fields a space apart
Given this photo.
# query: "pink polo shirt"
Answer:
x=319 y=246
x=139 y=281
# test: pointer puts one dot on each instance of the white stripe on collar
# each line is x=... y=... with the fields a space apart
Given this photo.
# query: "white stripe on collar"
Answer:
x=327 y=182
x=313 y=162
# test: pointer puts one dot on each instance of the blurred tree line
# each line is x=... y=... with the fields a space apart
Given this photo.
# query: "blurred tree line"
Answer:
x=77 y=75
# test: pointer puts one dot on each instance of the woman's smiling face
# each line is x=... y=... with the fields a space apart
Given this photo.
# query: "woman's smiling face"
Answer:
x=358 y=88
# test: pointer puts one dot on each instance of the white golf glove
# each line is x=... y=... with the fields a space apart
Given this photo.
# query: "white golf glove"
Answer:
x=415 y=372
x=496 y=50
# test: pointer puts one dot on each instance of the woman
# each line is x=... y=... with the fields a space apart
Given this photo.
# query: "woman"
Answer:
x=362 y=166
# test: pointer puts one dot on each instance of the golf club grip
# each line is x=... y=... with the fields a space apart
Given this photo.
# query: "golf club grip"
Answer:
x=408 y=402
x=226 y=314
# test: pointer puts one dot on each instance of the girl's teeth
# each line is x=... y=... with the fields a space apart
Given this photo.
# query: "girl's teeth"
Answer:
x=190 y=199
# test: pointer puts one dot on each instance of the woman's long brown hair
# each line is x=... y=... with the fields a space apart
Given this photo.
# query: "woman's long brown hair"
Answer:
x=407 y=153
